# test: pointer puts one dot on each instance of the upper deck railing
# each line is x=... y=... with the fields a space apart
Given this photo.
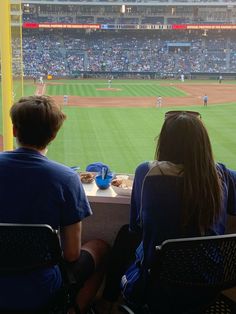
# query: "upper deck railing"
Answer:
x=136 y=2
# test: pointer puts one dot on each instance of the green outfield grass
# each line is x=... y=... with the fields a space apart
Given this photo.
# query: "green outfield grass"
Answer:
x=124 y=137
x=125 y=88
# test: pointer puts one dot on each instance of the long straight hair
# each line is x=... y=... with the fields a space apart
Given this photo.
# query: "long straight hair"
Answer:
x=184 y=140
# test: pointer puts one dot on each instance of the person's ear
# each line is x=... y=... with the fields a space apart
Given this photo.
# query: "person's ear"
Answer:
x=53 y=137
x=14 y=131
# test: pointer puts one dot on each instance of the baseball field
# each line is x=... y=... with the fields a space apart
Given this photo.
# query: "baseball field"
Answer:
x=119 y=125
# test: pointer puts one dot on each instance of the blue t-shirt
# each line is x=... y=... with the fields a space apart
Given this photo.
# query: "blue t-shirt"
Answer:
x=162 y=221
x=36 y=190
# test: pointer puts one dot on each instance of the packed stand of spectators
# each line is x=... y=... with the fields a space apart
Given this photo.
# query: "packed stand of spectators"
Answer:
x=43 y=54
x=65 y=53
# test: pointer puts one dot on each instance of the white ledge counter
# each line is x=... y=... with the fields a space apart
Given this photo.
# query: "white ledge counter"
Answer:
x=110 y=213
x=96 y=195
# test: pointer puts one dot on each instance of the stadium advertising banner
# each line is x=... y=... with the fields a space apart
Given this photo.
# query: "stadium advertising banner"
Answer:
x=203 y=26
x=212 y=26
x=58 y=25
x=133 y=26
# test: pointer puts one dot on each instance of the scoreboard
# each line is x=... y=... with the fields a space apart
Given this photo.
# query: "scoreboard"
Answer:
x=135 y=26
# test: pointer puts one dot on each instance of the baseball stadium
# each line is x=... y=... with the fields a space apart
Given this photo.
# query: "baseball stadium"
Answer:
x=116 y=67
x=143 y=48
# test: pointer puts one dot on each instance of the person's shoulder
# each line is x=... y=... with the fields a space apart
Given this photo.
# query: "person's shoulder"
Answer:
x=220 y=167
x=224 y=172
x=143 y=168
x=144 y=165
x=61 y=168
x=2 y=156
x=6 y=155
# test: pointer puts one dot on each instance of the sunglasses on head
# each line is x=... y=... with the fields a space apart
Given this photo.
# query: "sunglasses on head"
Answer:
x=173 y=113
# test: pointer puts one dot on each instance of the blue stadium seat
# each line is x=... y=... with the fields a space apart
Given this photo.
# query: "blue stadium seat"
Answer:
x=25 y=248
x=189 y=276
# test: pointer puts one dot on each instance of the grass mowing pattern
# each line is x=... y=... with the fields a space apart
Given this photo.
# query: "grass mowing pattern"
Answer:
x=28 y=90
x=124 y=137
x=126 y=88
x=105 y=134
x=220 y=122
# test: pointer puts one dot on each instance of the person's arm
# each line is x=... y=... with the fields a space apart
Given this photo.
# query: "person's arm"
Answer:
x=228 y=177
x=231 y=208
x=135 y=205
x=71 y=241
x=74 y=208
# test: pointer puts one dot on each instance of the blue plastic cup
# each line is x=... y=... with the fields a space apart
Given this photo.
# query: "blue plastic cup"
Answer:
x=103 y=183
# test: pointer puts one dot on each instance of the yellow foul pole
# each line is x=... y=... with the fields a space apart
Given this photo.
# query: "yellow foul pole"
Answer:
x=21 y=51
x=6 y=66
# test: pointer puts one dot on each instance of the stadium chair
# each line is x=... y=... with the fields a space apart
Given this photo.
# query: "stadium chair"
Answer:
x=189 y=275
x=25 y=248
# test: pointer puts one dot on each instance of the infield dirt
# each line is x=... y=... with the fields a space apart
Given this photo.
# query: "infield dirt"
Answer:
x=217 y=94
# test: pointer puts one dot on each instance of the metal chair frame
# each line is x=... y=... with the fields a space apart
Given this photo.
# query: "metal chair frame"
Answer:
x=29 y=247
x=189 y=274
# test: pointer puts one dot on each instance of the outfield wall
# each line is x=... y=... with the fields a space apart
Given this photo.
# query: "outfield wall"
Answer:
x=212 y=76
x=146 y=75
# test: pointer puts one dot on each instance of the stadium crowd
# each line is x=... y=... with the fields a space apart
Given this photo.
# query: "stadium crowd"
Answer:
x=66 y=53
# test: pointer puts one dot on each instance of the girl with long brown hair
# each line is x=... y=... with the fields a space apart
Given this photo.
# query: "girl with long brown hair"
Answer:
x=190 y=196
x=184 y=141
